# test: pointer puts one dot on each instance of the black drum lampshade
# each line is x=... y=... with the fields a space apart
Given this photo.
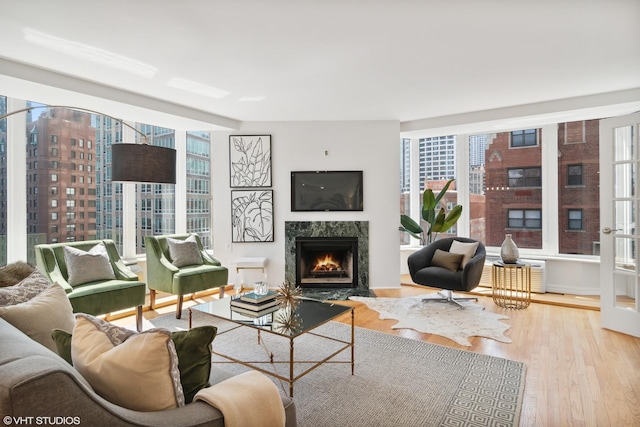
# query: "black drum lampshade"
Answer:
x=143 y=163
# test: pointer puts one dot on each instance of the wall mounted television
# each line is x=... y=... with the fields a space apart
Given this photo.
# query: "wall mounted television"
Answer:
x=326 y=191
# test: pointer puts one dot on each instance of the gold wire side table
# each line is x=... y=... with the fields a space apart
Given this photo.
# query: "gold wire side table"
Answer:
x=511 y=284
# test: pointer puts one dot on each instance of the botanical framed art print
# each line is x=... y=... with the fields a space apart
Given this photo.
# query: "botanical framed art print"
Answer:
x=251 y=216
x=250 y=161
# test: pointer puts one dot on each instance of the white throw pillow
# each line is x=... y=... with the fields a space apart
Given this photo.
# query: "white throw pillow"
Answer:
x=138 y=371
x=184 y=252
x=468 y=250
x=37 y=317
x=85 y=267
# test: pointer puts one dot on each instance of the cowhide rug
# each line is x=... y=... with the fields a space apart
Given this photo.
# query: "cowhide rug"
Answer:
x=444 y=319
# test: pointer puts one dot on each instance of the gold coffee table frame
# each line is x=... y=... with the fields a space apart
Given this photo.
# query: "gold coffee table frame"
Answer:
x=511 y=285
x=322 y=312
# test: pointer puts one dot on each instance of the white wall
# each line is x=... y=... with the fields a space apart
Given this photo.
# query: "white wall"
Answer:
x=370 y=146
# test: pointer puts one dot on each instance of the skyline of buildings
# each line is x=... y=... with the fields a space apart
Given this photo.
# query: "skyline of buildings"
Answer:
x=505 y=183
x=70 y=193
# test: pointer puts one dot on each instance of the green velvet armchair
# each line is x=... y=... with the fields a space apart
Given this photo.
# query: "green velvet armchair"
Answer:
x=170 y=272
x=104 y=295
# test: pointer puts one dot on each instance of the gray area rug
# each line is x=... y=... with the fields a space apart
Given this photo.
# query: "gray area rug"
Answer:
x=397 y=381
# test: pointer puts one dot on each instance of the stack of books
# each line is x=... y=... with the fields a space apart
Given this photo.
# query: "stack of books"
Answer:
x=252 y=304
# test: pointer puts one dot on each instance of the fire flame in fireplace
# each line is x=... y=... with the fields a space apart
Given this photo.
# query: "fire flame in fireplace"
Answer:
x=326 y=264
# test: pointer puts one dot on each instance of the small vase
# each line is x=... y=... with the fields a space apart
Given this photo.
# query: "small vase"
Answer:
x=509 y=251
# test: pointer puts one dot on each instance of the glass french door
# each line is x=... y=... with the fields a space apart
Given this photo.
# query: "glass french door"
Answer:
x=619 y=235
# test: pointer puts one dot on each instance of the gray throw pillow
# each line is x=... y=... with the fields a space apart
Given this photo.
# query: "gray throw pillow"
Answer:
x=24 y=290
x=184 y=252
x=85 y=267
x=446 y=260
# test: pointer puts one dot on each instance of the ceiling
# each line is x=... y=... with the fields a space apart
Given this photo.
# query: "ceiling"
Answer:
x=225 y=62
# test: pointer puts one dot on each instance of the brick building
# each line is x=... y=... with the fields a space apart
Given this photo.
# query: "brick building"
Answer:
x=514 y=188
x=61 y=188
x=578 y=187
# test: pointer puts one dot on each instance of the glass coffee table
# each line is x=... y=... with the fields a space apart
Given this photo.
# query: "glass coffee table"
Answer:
x=307 y=316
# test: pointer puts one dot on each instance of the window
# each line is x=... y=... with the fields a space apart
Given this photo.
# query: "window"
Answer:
x=525 y=177
x=574 y=175
x=525 y=218
x=54 y=152
x=54 y=177
x=54 y=203
x=54 y=139
x=524 y=138
x=575 y=219
x=54 y=216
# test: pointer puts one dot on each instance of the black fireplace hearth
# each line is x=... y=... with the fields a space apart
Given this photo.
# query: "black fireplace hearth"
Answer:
x=327 y=262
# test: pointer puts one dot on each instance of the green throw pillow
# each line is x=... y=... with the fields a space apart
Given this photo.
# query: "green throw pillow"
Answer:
x=63 y=344
x=194 y=356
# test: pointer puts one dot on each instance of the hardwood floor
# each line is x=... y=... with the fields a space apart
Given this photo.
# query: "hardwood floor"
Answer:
x=578 y=374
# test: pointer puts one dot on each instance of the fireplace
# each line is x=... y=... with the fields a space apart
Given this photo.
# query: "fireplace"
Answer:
x=327 y=262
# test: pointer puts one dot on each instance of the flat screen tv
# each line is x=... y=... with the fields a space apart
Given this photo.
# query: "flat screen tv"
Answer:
x=326 y=191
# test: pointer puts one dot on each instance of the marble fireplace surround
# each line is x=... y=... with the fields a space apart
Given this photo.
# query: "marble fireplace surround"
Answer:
x=359 y=229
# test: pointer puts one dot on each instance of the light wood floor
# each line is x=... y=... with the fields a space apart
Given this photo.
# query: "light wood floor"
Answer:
x=578 y=374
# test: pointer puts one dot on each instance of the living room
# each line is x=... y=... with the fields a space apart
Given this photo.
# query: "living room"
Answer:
x=346 y=117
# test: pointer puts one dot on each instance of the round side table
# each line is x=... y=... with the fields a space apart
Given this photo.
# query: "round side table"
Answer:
x=511 y=284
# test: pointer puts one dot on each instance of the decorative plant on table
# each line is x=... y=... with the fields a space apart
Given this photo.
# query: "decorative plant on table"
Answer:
x=288 y=295
x=287 y=321
x=438 y=222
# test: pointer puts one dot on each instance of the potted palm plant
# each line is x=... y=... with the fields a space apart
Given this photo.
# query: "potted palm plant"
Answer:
x=438 y=222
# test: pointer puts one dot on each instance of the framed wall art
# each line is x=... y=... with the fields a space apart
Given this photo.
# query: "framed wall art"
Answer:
x=250 y=161
x=251 y=216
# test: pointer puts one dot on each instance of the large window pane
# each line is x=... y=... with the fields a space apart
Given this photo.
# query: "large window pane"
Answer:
x=578 y=187
x=159 y=215
x=61 y=197
x=437 y=166
x=108 y=194
x=199 y=196
x=513 y=187
x=477 y=184
x=405 y=184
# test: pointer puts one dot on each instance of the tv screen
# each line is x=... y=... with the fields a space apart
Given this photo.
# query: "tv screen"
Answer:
x=326 y=191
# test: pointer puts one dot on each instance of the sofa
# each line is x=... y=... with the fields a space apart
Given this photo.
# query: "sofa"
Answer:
x=121 y=291
x=36 y=382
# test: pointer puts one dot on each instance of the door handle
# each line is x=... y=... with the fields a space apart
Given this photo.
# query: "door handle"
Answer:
x=608 y=230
